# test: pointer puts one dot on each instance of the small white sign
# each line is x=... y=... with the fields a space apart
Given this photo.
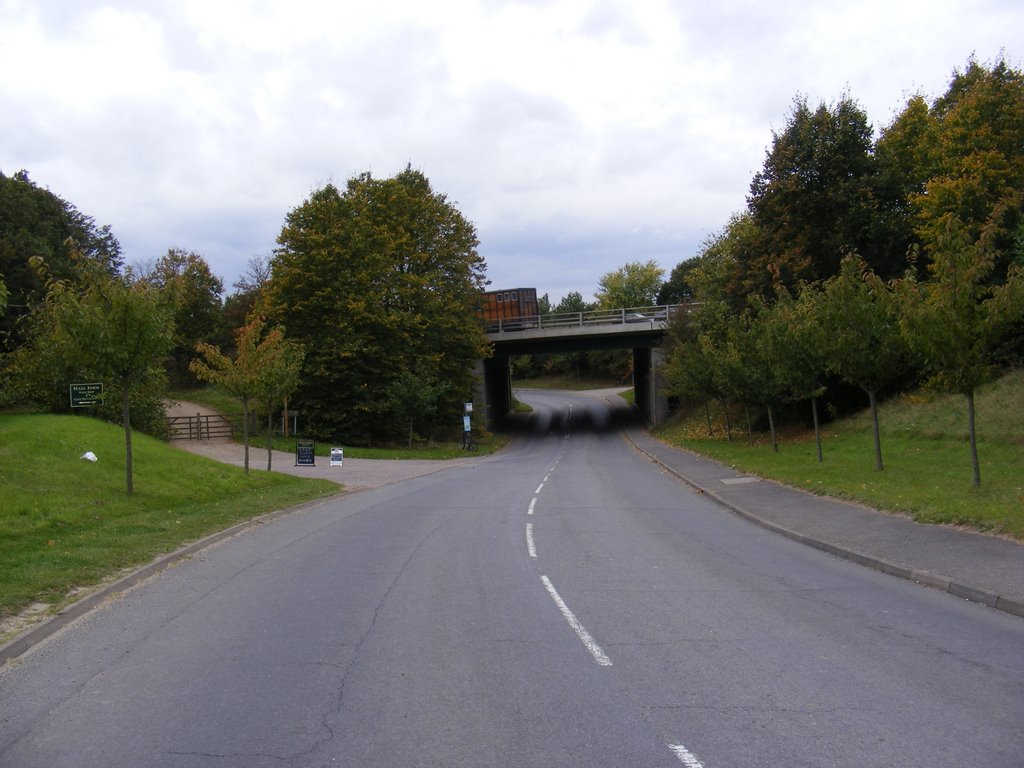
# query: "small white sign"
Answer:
x=337 y=456
x=469 y=407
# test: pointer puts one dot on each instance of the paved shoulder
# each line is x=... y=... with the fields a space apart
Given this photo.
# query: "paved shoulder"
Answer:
x=986 y=569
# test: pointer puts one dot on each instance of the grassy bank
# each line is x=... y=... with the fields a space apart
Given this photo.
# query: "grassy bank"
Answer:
x=66 y=523
x=924 y=444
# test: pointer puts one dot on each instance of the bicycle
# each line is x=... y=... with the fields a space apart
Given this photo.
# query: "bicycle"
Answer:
x=468 y=443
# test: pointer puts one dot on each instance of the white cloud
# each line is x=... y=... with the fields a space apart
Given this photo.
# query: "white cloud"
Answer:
x=577 y=135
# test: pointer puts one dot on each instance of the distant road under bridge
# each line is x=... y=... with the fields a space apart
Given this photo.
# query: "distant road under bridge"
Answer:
x=641 y=329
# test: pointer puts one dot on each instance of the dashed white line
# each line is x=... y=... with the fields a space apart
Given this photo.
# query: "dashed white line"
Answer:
x=686 y=757
x=533 y=503
x=579 y=629
x=531 y=548
x=538 y=488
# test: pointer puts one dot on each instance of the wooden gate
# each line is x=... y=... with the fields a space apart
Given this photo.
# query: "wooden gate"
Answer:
x=201 y=427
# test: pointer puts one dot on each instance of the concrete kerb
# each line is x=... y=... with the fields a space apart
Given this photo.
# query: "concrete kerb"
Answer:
x=935 y=581
x=22 y=642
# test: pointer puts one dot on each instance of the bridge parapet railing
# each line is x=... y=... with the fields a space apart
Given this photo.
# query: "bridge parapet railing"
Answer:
x=653 y=314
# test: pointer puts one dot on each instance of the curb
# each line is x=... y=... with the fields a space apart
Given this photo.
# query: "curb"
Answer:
x=935 y=581
x=22 y=642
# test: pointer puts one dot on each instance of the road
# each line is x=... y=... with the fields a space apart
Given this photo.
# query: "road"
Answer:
x=562 y=603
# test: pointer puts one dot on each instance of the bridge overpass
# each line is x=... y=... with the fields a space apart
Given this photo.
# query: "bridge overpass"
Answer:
x=641 y=329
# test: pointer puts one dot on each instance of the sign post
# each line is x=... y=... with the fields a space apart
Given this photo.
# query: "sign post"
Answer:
x=84 y=395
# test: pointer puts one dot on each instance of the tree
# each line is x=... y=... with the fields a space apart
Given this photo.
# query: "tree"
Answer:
x=113 y=326
x=193 y=293
x=956 y=321
x=36 y=223
x=278 y=370
x=380 y=278
x=415 y=397
x=803 y=341
x=678 y=289
x=249 y=292
x=813 y=198
x=632 y=285
x=261 y=369
x=860 y=317
x=974 y=161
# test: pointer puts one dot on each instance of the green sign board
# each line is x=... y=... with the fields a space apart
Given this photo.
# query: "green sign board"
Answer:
x=84 y=395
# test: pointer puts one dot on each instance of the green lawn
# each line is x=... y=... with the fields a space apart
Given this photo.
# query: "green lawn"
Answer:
x=924 y=445
x=66 y=522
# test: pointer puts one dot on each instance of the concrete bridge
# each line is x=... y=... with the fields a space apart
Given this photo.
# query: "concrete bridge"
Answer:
x=641 y=329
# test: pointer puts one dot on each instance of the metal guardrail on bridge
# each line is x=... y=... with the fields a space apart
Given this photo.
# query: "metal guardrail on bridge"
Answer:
x=596 y=317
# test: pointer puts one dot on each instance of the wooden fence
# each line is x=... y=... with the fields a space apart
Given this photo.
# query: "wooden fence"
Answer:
x=202 y=427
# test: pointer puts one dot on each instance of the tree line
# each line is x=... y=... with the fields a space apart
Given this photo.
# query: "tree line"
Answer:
x=364 y=315
x=865 y=261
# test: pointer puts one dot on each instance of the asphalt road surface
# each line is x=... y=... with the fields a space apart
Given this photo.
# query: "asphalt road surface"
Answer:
x=562 y=603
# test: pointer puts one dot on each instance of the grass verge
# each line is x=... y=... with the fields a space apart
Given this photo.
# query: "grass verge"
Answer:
x=66 y=523
x=927 y=471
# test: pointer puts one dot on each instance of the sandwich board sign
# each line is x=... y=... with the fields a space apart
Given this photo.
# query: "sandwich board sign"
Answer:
x=84 y=395
x=305 y=453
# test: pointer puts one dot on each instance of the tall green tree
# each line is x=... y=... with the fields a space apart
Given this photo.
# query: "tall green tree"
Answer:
x=35 y=223
x=193 y=294
x=814 y=197
x=861 y=318
x=635 y=284
x=956 y=321
x=379 y=278
x=974 y=161
x=116 y=327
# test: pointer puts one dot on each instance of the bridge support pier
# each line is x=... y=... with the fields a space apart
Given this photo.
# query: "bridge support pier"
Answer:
x=648 y=386
x=493 y=394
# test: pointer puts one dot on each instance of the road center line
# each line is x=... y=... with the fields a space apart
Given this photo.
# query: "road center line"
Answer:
x=538 y=488
x=531 y=549
x=579 y=629
x=686 y=757
x=533 y=503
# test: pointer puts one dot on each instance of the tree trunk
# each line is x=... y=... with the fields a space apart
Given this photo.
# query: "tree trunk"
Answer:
x=817 y=428
x=707 y=415
x=973 y=436
x=750 y=428
x=270 y=437
x=771 y=426
x=245 y=431
x=874 y=423
x=127 y=439
x=728 y=424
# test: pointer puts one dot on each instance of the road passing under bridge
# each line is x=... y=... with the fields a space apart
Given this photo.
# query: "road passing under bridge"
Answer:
x=640 y=329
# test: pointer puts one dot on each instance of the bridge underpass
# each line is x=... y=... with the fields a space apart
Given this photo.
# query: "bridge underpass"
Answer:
x=641 y=330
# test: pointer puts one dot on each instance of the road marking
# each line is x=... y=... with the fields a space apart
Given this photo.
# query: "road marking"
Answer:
x=538 y=488
x=530 y=547
x=579 y=629
x=686 y=757
x=533 y=503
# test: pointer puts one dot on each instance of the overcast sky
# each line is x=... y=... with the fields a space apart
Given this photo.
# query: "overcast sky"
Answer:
x=577 y=136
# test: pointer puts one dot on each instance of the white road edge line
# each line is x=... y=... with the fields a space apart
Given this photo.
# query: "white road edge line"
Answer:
x=579 y=629
x=530 y=547
x=533 y=503
x=686 y=757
